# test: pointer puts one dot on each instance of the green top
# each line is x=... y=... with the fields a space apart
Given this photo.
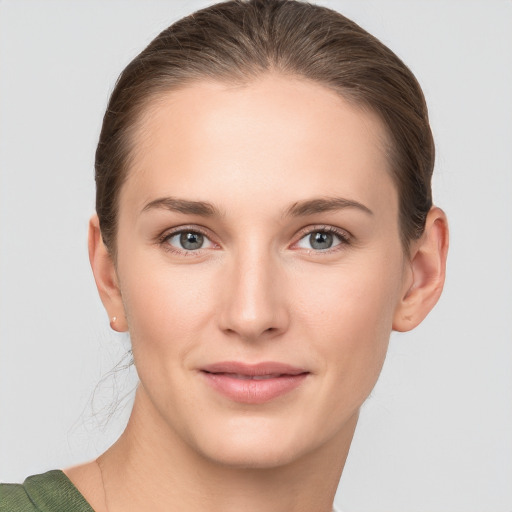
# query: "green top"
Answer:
x=49 y=492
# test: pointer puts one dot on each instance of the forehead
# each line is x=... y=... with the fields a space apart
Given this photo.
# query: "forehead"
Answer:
x=274 y=134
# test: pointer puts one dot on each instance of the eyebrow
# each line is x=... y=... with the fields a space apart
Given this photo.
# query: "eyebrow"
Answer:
x=327 y=204
x=298 y=209
x=202 y=208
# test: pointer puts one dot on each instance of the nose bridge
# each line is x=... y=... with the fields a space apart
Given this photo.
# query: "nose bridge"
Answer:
x=255 y=304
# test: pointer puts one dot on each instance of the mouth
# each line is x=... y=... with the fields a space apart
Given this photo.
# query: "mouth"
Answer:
x=253 y=384
x=250 y=377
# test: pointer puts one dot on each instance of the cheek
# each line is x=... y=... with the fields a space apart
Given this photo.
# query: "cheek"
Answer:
x=350 y=313
x=165 y=307
x=352 y=298
x=166 y=314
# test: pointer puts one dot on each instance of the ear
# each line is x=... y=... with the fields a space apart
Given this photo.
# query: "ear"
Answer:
x=425 y=277
x=105 y=275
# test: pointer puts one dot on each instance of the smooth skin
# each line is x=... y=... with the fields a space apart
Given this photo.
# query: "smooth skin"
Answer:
x=259 y=172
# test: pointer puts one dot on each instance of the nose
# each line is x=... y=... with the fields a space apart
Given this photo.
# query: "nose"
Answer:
x=254 y=305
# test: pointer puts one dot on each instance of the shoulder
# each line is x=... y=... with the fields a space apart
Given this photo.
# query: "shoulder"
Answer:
x=13 y=498
x=40 y=493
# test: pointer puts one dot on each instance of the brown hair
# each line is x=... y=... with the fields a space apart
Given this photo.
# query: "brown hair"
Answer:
x=241 y=39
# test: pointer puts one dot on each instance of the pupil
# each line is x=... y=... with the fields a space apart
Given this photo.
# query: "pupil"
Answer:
x=320 y=240
x=191 y=240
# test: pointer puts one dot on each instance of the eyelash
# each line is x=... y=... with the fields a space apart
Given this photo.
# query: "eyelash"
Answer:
x=343 y=236
x=164 y=239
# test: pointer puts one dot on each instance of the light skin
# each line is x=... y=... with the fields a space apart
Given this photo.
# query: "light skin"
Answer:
x=300 y=262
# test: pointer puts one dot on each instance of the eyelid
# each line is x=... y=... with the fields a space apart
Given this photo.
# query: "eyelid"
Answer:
x=344 y=236
x=194 y=228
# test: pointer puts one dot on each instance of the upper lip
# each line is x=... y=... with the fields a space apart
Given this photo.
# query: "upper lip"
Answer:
x=252 y=370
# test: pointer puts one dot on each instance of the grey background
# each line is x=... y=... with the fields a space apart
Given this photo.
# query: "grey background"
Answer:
x=436 y=434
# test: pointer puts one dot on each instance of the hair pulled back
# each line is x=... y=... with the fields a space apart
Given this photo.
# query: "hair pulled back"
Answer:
x=239 y=40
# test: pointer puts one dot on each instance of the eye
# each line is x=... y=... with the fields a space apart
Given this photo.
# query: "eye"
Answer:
x=322 y=239
x=188 y=240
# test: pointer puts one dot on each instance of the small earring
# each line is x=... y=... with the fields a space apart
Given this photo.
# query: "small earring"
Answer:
x=113 y=321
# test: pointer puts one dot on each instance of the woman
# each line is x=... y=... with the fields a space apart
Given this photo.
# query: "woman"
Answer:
x=264 y=221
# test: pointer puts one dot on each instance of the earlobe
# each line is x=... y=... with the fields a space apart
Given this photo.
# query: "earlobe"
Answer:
x=105 y=275
x=427 y=273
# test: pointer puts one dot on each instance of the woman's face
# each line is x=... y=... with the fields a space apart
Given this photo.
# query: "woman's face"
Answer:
x=260 y=266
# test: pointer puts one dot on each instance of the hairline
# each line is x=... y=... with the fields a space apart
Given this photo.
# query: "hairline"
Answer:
x=145 y=109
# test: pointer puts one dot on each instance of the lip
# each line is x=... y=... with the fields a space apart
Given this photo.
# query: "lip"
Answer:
x=253 y=383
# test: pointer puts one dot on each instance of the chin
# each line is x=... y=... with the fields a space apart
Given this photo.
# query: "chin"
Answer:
x=256 y=455
x=259 y=444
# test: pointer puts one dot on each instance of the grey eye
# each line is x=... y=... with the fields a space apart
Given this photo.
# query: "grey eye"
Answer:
x=320 y=240
x=191 y=241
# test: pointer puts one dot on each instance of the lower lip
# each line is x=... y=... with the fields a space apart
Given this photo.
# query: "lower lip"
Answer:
x=251 y=391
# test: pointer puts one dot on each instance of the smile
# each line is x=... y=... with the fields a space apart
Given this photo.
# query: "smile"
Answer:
x=253 y=384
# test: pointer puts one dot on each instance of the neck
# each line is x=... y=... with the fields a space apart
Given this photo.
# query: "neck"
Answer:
x=151 y=468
